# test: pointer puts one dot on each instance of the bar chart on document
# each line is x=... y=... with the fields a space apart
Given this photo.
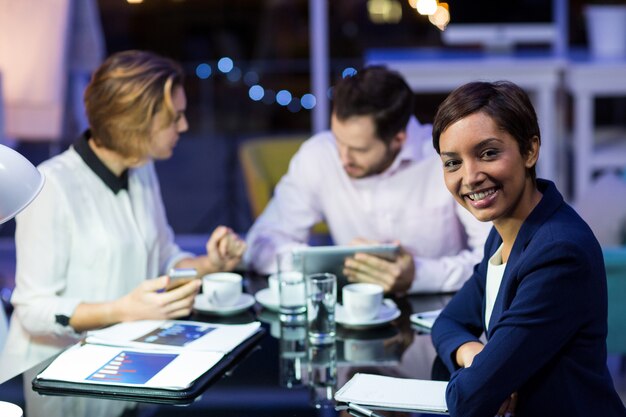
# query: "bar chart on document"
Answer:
x=132 y=367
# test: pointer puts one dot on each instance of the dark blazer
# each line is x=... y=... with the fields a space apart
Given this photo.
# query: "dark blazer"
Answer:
x=547 y=333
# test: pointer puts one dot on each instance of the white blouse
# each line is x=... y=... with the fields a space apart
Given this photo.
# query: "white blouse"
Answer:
x=81 y=242
x=495 y=272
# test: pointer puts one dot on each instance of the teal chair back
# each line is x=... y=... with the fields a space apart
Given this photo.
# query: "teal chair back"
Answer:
x=615 y=262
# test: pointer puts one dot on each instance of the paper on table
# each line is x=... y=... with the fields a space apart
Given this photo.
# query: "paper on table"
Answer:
x=425 y=319
x=400 y=394
x=122 y=366
x=174 y=335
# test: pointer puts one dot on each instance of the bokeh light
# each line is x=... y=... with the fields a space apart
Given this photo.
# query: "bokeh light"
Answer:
x=256 y=92
x=234 y=75
x=250 y=78
x=384 y=11
x=203 y=71
x=441 y=17
x=269 y=97
x=426 y=7
x=308 y=101
x=348 y=72
x=294 y=106
x=283 y=97
x=225 y=64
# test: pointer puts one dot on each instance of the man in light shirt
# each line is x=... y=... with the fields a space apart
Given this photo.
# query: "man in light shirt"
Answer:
x=374 y=178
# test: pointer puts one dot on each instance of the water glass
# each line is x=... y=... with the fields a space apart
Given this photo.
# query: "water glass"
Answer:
x=321 y=301
x=291 y=287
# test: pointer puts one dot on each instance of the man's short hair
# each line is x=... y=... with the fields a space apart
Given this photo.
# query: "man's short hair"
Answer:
x=378 y=92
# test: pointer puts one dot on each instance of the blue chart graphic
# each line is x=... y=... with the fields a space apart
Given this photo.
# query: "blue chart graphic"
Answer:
x=177 y=334
x=132 y=367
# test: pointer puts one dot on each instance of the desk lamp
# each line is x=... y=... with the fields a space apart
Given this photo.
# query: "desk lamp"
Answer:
x=20 y=182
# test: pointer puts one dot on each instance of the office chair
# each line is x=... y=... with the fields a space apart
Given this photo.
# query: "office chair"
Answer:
x=264 y=161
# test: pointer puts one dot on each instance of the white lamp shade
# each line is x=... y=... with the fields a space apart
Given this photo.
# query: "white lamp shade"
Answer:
x=20 y=182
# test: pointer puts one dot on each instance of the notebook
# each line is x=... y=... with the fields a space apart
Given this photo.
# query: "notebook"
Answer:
x=390 y=393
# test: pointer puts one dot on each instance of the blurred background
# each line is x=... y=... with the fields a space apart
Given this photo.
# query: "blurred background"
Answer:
x=250 y=66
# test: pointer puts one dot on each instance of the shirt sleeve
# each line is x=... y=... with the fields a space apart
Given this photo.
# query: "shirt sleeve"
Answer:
x=42 y=242
x=286 y=221
x=532 y=332
x=169 y=252
x=449 y=273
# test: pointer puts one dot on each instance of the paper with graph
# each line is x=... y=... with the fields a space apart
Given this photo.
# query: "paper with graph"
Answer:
x=110 y=365
x=168 y=354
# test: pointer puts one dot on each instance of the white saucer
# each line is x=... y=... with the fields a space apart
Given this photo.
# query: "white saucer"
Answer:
x=388 y=311
x=266 y=298
x=201 y=304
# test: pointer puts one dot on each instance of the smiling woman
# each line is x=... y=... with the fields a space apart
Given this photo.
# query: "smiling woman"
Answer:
x=539 y=294
x=488 y=174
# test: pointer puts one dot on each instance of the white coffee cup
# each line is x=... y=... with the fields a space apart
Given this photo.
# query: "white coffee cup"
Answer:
x=362 y=301
x=222 y=289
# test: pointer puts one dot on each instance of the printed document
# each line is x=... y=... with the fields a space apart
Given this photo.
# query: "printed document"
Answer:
x=169 y=354
x=389 y=393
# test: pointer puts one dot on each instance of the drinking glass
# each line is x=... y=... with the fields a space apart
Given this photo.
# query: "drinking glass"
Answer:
x=321 y=301
x=291 y=286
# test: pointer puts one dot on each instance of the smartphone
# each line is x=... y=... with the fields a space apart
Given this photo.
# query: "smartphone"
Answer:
x=180 y=276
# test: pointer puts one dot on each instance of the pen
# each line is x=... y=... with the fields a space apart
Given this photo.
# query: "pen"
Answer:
x=362 y=410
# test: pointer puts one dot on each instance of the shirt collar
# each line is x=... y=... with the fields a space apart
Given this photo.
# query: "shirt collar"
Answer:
x=416 y=147
x=115 y=183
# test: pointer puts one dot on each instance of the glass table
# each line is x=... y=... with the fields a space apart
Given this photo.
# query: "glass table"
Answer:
x=283 y=376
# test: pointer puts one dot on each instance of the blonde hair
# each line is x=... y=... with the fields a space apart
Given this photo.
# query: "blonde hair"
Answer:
x=123 y=97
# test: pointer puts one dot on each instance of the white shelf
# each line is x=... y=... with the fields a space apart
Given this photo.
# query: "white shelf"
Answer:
x=594 y=148
x=609 y=153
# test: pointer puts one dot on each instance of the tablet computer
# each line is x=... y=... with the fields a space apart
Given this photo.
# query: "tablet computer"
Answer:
x=317 y=259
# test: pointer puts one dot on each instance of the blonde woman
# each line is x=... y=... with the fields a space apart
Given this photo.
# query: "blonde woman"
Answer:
x=95 y=247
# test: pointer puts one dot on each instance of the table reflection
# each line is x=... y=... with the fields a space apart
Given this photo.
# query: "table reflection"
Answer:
x=322 y=374
x=292 y=353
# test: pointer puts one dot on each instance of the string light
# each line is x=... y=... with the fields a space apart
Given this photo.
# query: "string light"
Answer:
x=256 y=92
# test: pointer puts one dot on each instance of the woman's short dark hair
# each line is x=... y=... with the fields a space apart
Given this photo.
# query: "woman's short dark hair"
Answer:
x=505 y=102
x=378 y=92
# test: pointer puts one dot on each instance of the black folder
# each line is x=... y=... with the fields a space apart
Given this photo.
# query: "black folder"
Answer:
x=153 y=395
